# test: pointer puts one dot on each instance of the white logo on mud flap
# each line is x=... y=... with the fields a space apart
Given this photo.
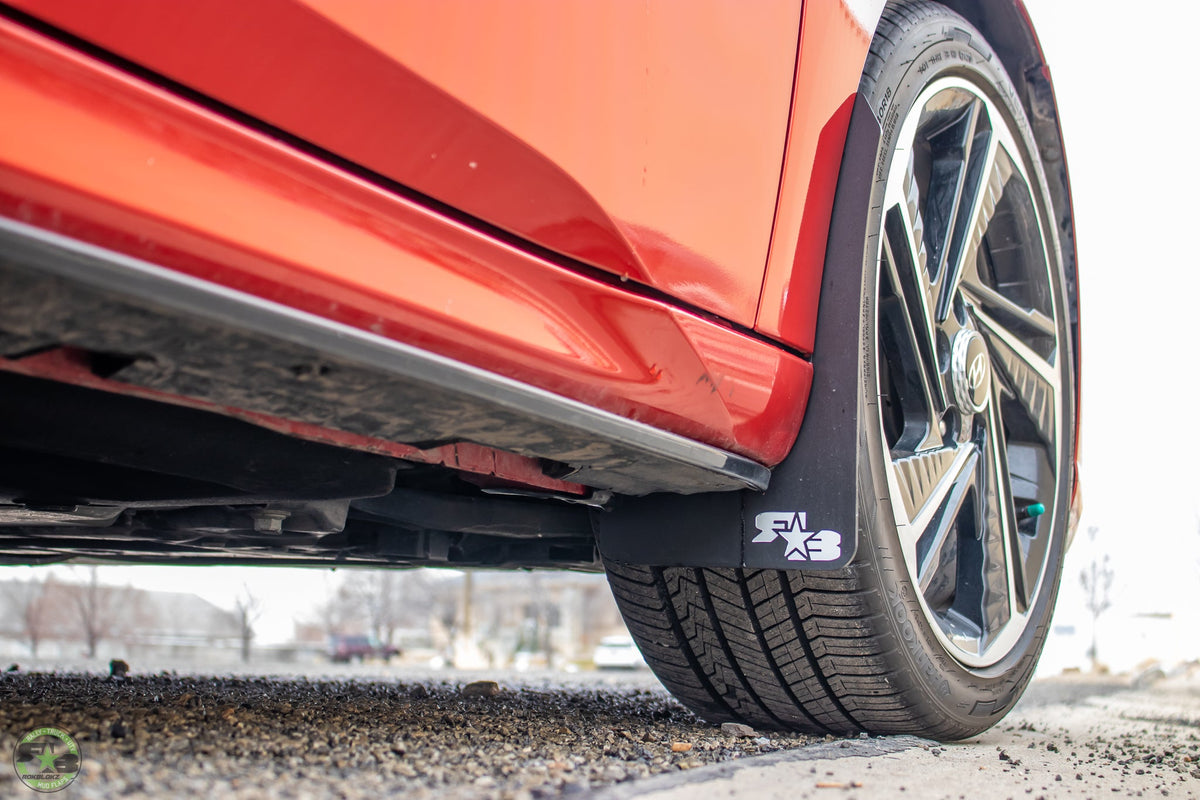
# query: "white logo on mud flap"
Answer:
x=802 y=545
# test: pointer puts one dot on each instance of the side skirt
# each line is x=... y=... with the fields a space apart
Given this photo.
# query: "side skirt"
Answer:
x=243 y=352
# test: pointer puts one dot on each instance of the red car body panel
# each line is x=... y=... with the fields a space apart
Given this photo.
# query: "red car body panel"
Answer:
x=90 y=152
x=646 y=140
x=662 y=144
x=833 y=46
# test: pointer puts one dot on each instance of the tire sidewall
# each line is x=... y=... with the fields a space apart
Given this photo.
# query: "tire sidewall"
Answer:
x=968 y=700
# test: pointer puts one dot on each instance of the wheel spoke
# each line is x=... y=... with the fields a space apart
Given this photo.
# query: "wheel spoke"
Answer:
x=906 y=261
x=987 y=297
x=936 y=565
x=924 y=480
x=913 y=374
x=1033 y=380
x=1004 y=592
x=906 y=235
x=983 y=181
x=949 y=145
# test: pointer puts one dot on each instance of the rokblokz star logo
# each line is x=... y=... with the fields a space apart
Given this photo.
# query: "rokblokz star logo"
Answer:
x=46 y=759
x=802 y=545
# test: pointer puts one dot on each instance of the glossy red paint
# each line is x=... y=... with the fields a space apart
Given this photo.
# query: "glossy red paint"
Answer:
x=89 y=152
x=645 y=139
x=833 y=46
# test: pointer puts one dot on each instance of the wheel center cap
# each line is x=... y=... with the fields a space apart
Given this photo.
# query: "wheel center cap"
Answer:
x=970 y=371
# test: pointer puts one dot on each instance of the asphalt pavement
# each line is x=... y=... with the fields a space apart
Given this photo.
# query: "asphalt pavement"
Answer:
x=1074 y=736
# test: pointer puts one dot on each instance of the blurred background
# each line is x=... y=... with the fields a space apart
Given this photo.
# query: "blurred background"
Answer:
x=1120 y=73
x=208 y=617
x=1129 y=595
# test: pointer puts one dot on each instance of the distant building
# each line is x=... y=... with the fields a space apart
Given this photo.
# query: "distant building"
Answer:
x=126 y=622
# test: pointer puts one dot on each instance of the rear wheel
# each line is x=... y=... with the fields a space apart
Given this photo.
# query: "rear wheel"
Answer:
x=966 y=457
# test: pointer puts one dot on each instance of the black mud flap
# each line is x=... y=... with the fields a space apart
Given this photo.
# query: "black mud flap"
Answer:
x=808 y=517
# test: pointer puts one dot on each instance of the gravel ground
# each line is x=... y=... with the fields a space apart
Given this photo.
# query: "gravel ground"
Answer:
x=240 y=736
x=373 y=731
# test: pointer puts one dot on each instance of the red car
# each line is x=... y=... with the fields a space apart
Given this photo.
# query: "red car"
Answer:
x=556 y=285
x=344 y=649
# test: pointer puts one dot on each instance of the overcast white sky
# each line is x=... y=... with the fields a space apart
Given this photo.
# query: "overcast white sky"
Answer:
x=1121 y=74
x=1123 y=82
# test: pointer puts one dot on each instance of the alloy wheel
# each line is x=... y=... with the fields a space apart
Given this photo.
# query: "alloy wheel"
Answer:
x=970 y=372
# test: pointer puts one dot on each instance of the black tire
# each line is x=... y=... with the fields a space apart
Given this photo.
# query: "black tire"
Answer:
x=936 y=626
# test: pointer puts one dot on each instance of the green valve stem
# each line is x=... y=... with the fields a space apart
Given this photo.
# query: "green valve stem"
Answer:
x=1030 y=511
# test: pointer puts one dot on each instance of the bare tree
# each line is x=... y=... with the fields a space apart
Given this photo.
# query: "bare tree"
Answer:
x=247 y=609
x=535 y=634
x=339 y=610
x=389 y=598
x=1097 y=579
x=378 y=592
x=415 y=596
x=31 y=603
x=99 y=609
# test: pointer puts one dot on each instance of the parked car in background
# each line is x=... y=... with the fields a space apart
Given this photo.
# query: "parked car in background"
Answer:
x=767 y=310
x=344 y=649
x=617 y=652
